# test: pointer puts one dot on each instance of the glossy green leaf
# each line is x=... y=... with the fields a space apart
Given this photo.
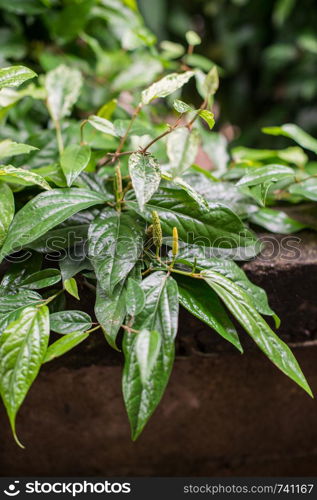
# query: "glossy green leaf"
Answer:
x=276 y=221
x=208 y=117
x=202 y=302
x=12 y=305
x=6 y=210
x=160 y=314
x=45 y=211
x=180 y=182
x=269 y=173
x=18 y=271
x=145 y=176
x=305 y=189
x=181 y=106
x=11 y=148
x=182 y=148
x=63 y=85
x=147 y=350
x=41 y=279
x=23 y=346
x=64 y=345
x=115 y=244
x=166 y=86
x=58 y=239
x=241 y=306
x=103 y=125
x=110 y=311
x=13 y=175
x=70 y=286
x=296 y=133
x=216 y=227
x=70 y=321
x=231 y=271
x=13 y=76
x=135 y=297
x=74 y=160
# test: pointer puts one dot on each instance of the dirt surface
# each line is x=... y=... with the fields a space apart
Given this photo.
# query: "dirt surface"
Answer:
x=222 y=414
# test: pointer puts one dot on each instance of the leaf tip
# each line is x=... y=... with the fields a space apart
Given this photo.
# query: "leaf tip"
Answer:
x=15 y=436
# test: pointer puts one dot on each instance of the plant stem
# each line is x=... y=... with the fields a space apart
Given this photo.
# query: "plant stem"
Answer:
x=59 y=137
x=93 y=329
x=82 y=125
x=167 y=132
x=50 y=299
x=202 y=106
x=129 y=329
x=124 y=138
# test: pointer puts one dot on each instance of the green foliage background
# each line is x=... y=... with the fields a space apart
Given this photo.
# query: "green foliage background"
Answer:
x=266 y=51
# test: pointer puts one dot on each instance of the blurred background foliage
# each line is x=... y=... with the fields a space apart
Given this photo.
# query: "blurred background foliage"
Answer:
x=266 y=52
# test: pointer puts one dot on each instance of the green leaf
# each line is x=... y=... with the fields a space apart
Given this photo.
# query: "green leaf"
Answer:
x=63 y=85
x=60 y=238
x=215 y=146
x=203 y=303
x=198 y=198
x=13 y=76
x=276 y=221
x=11 y=148
x=23 y=6
x=147 y=350
x=241 y=306
x=198 y=62
x=269 y=173
x=45 y=211
x=135 y=297
x=166 y=86
x=160 y=314
x=181 y=106
x=211 y=83
x=70 y=321
x=74 y=160
x=12 y=305
x=231 y=271
x=23 y=346
x=145 y=176
x=115 y=244
x=70 y=286
x=23 y=177
x=41 y=279
x=103 y=125
x=107 y=110
x=171 y=50
x=296 y=133
x=208 y=117
x=218 y=226
x=64 y=344
x=306 y=189
x=192 y=38
x=6 y=210
x=182 y=148
x=110 y=312
x=293 y=155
